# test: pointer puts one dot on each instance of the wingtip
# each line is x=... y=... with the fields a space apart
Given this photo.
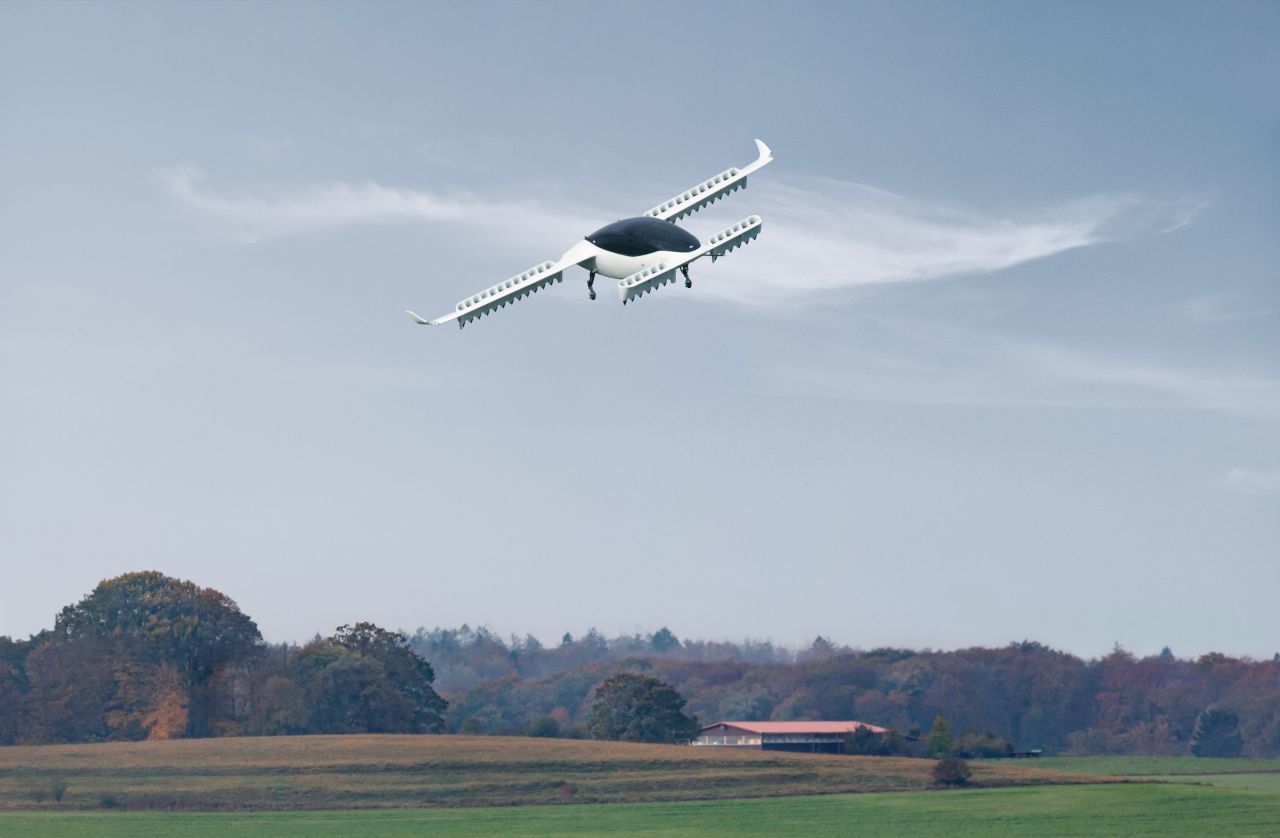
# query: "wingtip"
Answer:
x=766 y=153
x=416 y=319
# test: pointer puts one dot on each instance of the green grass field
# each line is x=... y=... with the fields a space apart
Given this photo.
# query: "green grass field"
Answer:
x=1153 y=766
x=1132 y=809
x=1254 y=774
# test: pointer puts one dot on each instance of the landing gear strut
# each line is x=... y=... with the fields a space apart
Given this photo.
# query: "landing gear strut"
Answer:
x=688 y=283
x=591 y=280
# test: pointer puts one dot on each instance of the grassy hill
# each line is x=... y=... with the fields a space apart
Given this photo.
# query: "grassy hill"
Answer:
x=348 y=772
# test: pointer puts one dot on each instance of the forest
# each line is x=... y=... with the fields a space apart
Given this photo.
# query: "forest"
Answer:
x=148 y=656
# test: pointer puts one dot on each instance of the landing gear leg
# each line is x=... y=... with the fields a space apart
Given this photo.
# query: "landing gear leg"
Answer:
x=591 y=280
x=688 y=283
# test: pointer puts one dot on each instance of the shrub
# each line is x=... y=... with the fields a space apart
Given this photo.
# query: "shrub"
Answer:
x=545 y=726
x=58 y=788
x=864 y=742
x=951 y=771
x=984 y=746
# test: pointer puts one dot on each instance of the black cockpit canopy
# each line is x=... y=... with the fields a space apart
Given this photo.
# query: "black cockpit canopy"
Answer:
x=643 y=235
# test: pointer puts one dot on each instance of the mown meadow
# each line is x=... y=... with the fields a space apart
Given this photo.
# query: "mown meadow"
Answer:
x=481 y=785
x=380 y=771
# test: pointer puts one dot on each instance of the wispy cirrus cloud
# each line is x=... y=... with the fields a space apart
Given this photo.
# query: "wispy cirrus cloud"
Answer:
x=1251 y=481
x=1218 y=308
x=269 y=214
x=821 y=236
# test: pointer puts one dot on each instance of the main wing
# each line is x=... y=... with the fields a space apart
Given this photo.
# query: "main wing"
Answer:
x=712 y=189
x=655 y=276
x=516 y=288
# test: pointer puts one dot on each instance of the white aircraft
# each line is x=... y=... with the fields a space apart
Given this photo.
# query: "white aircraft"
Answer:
x=643 y=253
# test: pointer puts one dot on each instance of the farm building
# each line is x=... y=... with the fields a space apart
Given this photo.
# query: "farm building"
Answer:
x=809 y=737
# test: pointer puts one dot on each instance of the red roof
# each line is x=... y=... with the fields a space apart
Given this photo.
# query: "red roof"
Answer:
x=798 y=727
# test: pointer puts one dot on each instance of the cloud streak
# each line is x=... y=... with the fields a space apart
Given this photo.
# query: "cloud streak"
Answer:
x=824 y=236
x=1251 y=481
x=257 y=216
x=821 y=237
x=959 y=367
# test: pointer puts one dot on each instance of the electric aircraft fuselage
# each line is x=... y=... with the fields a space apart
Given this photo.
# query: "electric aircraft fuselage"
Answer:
x=642 y=253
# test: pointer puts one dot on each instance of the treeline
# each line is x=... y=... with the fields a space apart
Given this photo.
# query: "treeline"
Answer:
x=468 y=657
x=145 y=656
x=1025 y=693
x=148 y=656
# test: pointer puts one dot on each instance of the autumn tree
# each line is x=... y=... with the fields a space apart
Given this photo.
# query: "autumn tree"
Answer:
x=71 y=688
x=281 y=708
x=951 y=771
x=13 y=690
x=637 y=708
x=132 y=659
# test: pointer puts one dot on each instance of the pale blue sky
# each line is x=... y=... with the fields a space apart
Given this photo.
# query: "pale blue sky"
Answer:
x=1002 y=365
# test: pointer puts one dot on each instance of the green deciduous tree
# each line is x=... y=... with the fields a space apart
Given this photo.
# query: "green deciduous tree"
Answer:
x=637 y=708
x=352 y=694
x=408 y=674
x=365 y=679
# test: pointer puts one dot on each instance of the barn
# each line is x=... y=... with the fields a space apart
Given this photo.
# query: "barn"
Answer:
x=807 y=737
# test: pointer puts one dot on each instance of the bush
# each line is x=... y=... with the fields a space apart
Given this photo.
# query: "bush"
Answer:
x=545 y=726
x=984 y=746
x=58 y=788
x=951 y=771
x=864 y=742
